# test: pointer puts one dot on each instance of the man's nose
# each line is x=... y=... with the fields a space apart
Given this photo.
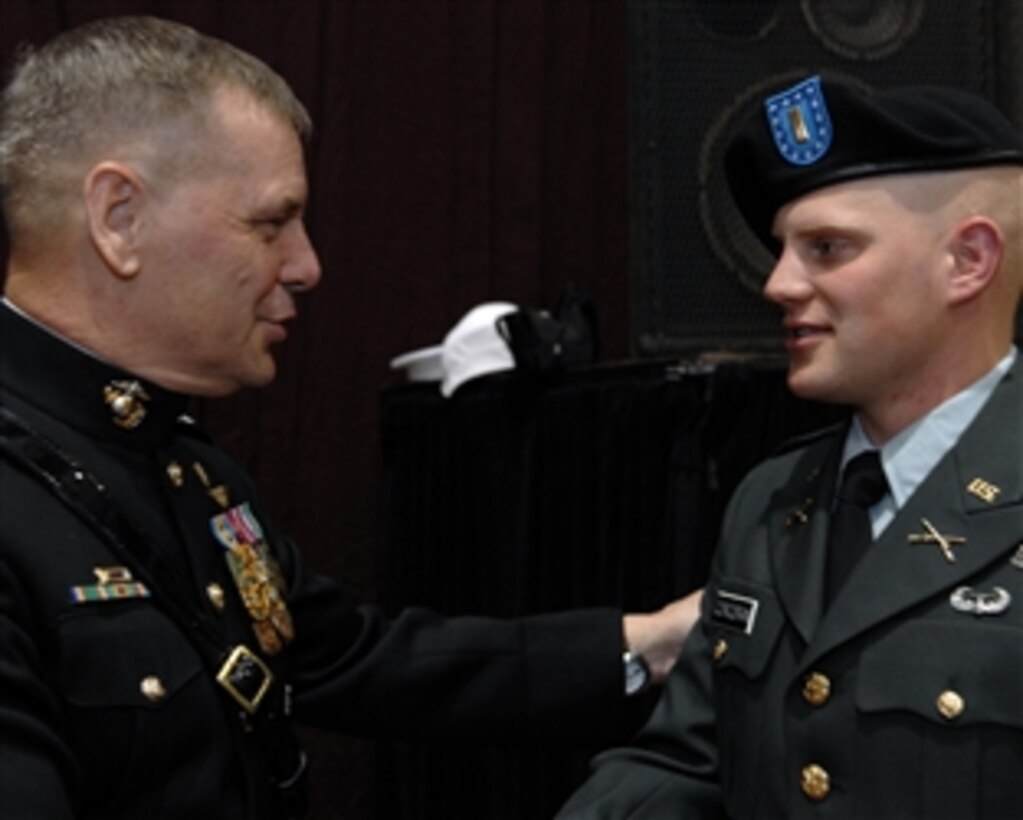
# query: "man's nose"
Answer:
x=786 y=282
x=301 y=270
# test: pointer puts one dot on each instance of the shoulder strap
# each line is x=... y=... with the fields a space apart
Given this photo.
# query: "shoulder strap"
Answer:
x=86 y=497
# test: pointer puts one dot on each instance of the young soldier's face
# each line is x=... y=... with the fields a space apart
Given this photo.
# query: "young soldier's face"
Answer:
x=862 y=284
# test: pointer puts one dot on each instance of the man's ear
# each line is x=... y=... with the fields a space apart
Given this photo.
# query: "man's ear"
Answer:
x=114 y=196
x=977 y=248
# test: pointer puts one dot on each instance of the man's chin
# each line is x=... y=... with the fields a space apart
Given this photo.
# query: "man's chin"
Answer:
x=808 y=383
x=254 y=377
x=262 y=377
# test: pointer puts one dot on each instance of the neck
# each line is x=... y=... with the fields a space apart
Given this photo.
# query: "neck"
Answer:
x=889 y=416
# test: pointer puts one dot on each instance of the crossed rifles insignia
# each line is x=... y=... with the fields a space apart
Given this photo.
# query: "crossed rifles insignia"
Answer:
x=931 y=535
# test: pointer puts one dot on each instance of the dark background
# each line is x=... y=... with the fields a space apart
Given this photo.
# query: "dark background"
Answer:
x=465 y=150
x=469 y=150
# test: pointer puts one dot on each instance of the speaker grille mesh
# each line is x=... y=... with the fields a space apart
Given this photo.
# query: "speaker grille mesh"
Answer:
x=695 y=68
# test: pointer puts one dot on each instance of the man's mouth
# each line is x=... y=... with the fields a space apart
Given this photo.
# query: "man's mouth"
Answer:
x=796 y=334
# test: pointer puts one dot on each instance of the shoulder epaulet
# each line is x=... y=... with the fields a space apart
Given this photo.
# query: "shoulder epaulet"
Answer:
x=806 y=439
x=188 y=426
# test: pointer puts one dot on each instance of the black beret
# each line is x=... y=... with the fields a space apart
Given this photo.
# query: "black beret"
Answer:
x=821 y=132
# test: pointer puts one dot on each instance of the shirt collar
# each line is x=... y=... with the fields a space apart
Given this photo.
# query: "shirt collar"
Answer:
x=64 y=381
x=909 y=457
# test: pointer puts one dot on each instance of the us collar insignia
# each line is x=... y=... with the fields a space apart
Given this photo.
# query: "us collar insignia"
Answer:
x=975 y=602
x=257 y=576
x=126 y=400
x=984 y=490
x=113 y=584
x=800 y=123
x=931 y=535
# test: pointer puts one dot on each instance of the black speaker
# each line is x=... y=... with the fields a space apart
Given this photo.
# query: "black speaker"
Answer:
x=696 y=67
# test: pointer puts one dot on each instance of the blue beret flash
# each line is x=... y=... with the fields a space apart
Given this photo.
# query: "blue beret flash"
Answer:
x=824 y=131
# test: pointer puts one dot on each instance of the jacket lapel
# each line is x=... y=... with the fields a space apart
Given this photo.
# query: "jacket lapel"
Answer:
x=975 y=492
x=798 y=534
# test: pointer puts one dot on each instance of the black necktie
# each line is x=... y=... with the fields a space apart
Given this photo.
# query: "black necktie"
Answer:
x=863 y=485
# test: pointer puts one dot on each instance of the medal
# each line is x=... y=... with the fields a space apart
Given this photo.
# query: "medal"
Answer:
x=257 y=576
x=112 y=584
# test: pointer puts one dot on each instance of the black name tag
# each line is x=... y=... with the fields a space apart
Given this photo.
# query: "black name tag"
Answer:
x=733 y=611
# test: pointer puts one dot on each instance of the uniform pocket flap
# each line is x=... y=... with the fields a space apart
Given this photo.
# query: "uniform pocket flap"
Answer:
x=956 y=673
x=129 y=657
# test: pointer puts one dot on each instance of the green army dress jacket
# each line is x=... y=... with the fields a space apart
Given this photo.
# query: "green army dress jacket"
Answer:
x=903 y=701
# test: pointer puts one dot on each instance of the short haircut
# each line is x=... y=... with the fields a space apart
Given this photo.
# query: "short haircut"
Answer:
x=107 y=83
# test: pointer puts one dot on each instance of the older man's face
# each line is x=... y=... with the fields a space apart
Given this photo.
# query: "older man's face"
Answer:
x=229 y=250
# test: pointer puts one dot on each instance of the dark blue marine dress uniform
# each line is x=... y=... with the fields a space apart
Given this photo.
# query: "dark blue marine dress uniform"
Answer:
x=158 y=636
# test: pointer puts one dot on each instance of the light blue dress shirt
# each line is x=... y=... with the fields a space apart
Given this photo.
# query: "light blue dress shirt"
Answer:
x=909 y=457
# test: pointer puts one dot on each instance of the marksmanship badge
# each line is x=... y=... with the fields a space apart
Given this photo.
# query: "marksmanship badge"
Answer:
x=256 y=575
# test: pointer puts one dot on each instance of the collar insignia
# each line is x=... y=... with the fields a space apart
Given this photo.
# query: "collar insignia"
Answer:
x=931 y=535
x=126 y=400
x=799 y=516
x=984 y=490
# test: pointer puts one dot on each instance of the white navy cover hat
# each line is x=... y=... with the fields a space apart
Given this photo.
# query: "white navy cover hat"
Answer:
x=422 y=365
x=474 y=347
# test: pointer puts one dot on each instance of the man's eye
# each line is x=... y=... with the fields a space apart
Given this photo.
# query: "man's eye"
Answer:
x=826 y=246
x=270 y=228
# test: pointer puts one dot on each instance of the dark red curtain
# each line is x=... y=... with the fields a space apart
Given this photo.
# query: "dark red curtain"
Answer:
x=466 y=150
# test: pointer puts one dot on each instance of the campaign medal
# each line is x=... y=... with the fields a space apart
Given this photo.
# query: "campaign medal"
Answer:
x=112 y=584
x=256 y=574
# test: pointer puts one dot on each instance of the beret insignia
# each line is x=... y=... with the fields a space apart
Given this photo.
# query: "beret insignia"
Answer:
x=799 y=122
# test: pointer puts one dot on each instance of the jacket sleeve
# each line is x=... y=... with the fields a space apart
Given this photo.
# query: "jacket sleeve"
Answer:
x=670 y=768
x=421 y=675
x=36 y=768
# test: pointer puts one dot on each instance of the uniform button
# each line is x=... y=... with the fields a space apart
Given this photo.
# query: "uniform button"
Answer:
x=816 y=689
x=950 y=704
x=152 y=689
x=175 y=474
x=215 y=592
x=720 y=649
x=815 y=781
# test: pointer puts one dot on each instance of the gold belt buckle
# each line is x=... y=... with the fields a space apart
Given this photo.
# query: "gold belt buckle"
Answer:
x=245 y=677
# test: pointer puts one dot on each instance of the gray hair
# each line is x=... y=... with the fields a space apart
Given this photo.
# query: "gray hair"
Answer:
x=108 y=82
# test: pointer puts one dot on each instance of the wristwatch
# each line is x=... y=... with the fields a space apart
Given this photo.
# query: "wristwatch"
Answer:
x=637 y=673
